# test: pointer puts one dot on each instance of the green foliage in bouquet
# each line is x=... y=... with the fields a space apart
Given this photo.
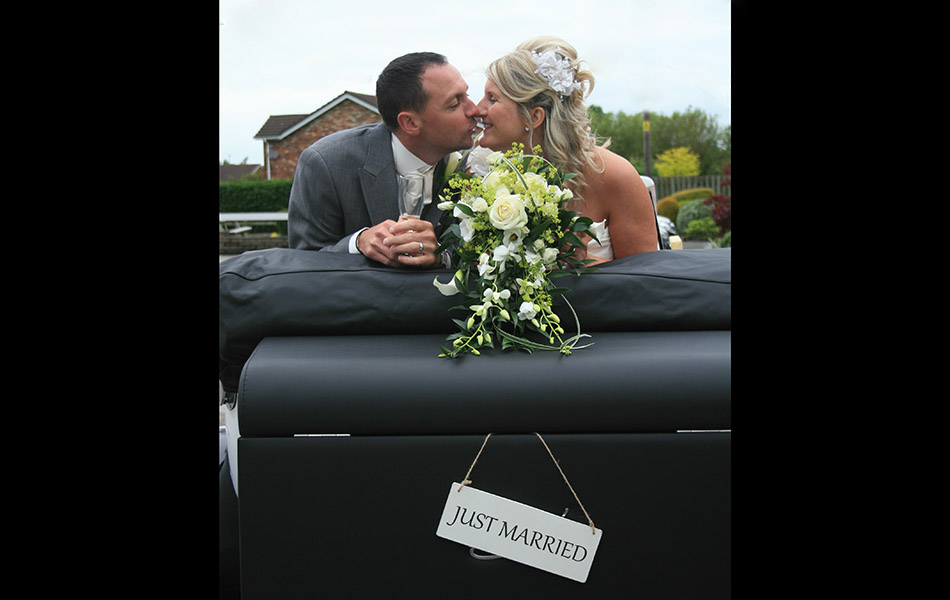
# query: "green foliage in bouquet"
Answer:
x=514 y=235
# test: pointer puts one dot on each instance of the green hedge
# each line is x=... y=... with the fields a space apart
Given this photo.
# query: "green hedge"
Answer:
x=684 y=196
x=254 y=196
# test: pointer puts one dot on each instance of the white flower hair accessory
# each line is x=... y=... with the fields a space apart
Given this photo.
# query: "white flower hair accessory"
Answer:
x=557 y=71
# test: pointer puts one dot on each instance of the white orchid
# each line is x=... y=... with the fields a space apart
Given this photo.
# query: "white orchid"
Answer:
x=528 y=311
x=490 y=295
x=467 y=229
x=500 y=256
x=484 y=266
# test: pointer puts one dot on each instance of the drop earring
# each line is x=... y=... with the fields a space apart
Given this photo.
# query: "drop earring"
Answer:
x=526 y=128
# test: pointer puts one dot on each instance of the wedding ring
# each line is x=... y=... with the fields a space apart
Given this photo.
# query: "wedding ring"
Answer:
x=422 y=248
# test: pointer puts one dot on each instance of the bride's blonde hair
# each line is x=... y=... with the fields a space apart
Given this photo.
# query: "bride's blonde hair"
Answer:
x=567 y=139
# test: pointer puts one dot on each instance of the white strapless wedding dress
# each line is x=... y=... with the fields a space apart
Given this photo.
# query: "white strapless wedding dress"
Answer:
x=603 y=249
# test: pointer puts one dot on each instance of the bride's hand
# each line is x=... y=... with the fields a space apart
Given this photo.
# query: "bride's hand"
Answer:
x=580 y=252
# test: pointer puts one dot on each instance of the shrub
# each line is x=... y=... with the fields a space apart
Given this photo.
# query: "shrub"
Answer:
x=668 y=207
x=254 y=196
x=690 y=194
x=689 y=212
x=720 y=205
x=679 y=161
x=720 y=209
x=701 y=229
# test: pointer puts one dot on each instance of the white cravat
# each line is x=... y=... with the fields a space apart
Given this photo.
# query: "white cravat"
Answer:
x=405 y=161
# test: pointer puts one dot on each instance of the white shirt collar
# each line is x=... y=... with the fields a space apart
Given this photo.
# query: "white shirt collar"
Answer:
x=405 y=160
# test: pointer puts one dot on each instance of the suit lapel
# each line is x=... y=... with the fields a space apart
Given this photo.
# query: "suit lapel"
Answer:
x=378 y=181
x=378 y=177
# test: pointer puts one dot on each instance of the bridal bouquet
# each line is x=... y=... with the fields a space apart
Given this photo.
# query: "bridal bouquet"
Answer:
x=514 y=235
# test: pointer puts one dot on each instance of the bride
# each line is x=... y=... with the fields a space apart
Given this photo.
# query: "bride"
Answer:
x=535 y=96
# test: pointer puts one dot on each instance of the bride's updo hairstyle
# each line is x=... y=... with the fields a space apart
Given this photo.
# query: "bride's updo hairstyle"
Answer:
x=534 y=77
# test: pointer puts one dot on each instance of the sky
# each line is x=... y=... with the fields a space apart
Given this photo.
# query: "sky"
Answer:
x=281 y=57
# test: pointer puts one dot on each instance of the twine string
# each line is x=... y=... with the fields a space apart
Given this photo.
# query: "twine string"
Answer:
x=466 y=480
x=589 y=520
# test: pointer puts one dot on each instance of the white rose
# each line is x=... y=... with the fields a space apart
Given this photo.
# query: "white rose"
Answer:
x=508 y=212
x=495 y=157
x=492 y=182
x=548 y=255
x=479 y=204
x=535 y=182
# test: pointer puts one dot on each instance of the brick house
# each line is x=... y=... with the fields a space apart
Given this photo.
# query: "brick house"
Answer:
x=286 y=136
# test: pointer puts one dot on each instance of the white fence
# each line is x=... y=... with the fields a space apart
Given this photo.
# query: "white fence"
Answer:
x=238 y=222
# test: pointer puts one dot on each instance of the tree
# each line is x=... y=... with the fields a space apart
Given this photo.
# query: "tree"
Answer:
x=624 y=131
x=677 y=162
x=692 y=129
x=695 y=130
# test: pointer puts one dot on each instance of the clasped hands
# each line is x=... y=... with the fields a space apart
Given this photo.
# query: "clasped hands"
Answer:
x=407 y=243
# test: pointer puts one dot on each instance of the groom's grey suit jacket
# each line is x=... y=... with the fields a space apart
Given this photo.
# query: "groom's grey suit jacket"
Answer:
x=344 y=182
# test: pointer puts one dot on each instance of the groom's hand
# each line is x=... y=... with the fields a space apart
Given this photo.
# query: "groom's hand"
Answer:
x=412 y=243
x=371 y=244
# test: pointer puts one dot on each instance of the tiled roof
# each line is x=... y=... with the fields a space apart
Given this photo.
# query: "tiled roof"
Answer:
x=278 y=126
x=231 y=172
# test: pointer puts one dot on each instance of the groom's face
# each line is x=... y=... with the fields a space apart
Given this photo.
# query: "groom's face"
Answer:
x=448 y=120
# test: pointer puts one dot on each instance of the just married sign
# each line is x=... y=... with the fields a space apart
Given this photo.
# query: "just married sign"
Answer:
x=519 y=532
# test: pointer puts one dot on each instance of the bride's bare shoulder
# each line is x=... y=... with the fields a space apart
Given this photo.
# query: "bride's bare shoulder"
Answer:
x=615 y=170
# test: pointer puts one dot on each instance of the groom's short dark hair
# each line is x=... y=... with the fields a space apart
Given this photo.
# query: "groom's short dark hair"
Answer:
x=399 y=86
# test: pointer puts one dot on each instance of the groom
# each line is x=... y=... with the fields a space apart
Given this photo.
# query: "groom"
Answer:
x=343 y=197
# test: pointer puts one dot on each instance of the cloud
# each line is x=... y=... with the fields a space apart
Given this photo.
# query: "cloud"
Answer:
x=292 y=56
